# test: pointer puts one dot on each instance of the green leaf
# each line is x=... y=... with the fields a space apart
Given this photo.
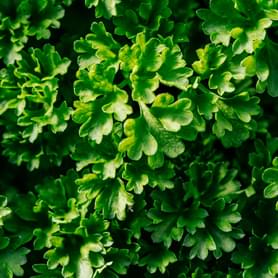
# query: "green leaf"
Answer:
x=164 y=228
x=215 y=23
x=162 y=177
x=139 y=139
x=164 y=216
x=105 y=8
x=226 y=216
x=221 y=82
x=172 y=114
x=114 y=200
x=46 y=63
x=4 y=210
x=192 y=218
x=103 y=156
x=144 y=85
x=158 y=259
x=121 y=259
x=99 y=101
x=109 y=168
x=173 y=71
x=45 y=237
x=61 y=189
x=12 y=260
x=201 y=243
x=151 y=62
x=169 y=143
x=149 y=56
x=147 y=135
x=225 y=20
x=136 y=179
x=145 y=16
x=44 y=272
x=111 y=197
x=21 y=20
x=206 y=104
x=35 y=90
x=271 y=191
x=95 y=123
x=251 y=259
x=96 y=46
x=234 y=118
x=270 y=176
x=210 y=58
x=117 y=105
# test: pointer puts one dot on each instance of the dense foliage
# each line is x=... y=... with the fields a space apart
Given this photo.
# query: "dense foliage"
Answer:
x=139 y=138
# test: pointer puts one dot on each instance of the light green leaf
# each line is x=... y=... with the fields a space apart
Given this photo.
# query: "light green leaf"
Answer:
x=270 y=176
x=169 y=143
x=210 y=58
x=117 y=104
x=109 y=168
x=113 y=200
x=95 y=123
x=172 y=114
x=173 y=71
x=105 y=8
x=96 y=46
x=137 y=178
x=221 y=82
x=139 y=139
x=271 y=191
x=144 y=86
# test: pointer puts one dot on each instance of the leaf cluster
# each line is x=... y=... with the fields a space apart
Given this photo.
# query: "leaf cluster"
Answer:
x=138 y=138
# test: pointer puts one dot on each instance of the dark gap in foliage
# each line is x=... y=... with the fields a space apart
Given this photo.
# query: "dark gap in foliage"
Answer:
x=75 y=24
x=2 y=65
x=33 y=42
x=136 y=110
x=119 y=79
x=65 y=91
x=123 y=40
x=272 y=33
x=197 y=40
x=167 y=89
x=12 y=175
x=34 y=257
x=134 y=271
x=270 y=109
x=229 y=153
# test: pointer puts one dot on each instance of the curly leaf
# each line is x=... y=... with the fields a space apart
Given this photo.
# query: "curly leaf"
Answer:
x=158 y=259
x=270 y=176
x=96 y=47
x=11 y=261
x=139 y=139
x=4 y=210
x=201 y=243
x=173 y=71
x=95 y=123
x=169 y=143
x=105 y=8
x=172 y=114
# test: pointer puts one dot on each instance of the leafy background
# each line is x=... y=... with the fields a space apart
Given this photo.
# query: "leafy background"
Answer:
x=138 y=138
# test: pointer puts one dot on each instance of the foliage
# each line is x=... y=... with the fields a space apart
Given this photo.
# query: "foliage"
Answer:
x=138 y=138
